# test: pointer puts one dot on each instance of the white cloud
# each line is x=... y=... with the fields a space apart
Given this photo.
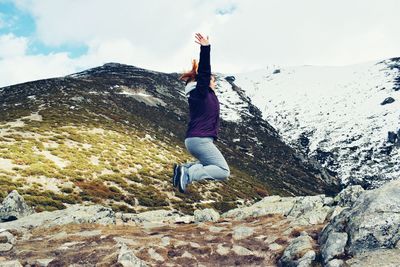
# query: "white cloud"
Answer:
x=12 y=46
x=25 y=68
x=245 y=35
x=16 y=66
x=309 y=32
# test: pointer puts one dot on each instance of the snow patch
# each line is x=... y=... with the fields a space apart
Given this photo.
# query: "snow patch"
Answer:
x=231 y=104
x=141 y=95
x=337 y=108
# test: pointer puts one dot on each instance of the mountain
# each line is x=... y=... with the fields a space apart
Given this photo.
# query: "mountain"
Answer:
x=347 y=118
x=111 y=134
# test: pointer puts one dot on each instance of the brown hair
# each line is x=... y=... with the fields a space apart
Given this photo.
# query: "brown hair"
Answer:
x=190 y=75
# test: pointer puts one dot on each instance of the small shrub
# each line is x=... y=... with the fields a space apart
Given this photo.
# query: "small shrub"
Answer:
x=115 y=189
x=94 y=190
x=67 y=190
x=223 y=206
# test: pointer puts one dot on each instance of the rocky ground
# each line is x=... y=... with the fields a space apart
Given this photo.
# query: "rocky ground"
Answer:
x=356 y=228
x=222 y=243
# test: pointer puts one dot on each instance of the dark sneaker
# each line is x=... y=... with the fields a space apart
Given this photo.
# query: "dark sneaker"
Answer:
x=183 y=179
x=177 y=174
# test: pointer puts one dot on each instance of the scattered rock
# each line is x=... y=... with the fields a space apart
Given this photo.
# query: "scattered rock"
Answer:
x=40 y=262
x=268 y=205
x=89 y=233
x=67 y=245
x=128 y=259
x=147 y=216
x=221 y=250
x=241 y=232
x=274 y=246
x=392 y=137
x=181 y=243
x=126 y=241
x=76 y=213
x=364 y=221
x=13 y=263
x=334 y=246
x=335 y=263
x=156 y=216
x=206 y=215
x=187 y=255
x=7 y=241
x=165 y=241
x=270 y=239
x=216 y=229
x=335 y=211
x=387 y=100
x=5 y=247
x=154 y=255
x=276 y=71
x=150 y=225
x=310 y=210
x=305 y=209
x=328 y=201
x=7 y=237
x=377 y=258
x=59 y=235
x=184 y=219
x=349 y=195
x=194 y=245
x=298 y=253
x=14 y=207
x=241 y=251
x=371 y=223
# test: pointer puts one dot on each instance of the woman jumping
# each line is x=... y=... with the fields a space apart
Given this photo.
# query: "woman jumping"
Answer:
x=203 y=125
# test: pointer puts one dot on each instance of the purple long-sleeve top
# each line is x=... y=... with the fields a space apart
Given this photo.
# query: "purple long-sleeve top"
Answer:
x=203 y=103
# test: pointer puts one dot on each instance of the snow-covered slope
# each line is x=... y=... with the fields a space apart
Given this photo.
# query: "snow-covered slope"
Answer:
x=231 y=105
x=336 y=115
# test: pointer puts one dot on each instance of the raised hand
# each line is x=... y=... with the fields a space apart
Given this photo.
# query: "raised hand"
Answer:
x=201 y=40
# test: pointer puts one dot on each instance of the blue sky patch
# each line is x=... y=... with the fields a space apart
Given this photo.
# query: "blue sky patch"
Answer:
x=22 y=24
x=227 y=10
x=73 y=50
x=15 y=21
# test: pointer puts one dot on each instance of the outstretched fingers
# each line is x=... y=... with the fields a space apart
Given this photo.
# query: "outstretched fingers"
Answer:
x=201 y=40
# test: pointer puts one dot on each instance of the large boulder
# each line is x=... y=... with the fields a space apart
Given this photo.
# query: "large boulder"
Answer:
x=14 y=207
x=299 y=253
x=7 y=240
x=241 y=232
x=304 y=210
x=268 y=205
x=76 y=213
x=311 y=209
x=156 y=216
x=376 y=258
x=206 y=215
x=334 y=246
x=128 y=259
x=349 y=195
x=371 y=223
x=11 y=263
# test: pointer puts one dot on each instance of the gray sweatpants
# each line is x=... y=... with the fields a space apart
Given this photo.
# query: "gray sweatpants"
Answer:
x=211 y=164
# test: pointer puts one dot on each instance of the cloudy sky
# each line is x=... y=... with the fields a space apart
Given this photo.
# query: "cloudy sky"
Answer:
x=49 y=38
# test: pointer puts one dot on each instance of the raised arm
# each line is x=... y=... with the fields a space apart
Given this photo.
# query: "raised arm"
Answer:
x=204 y=69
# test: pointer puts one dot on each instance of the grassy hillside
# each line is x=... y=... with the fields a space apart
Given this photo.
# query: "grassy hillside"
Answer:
x=57 y=156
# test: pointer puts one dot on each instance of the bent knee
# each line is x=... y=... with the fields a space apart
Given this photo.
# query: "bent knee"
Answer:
x=227 y=173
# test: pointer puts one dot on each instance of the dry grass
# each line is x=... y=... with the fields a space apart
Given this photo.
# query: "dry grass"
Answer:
x=102 y=248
